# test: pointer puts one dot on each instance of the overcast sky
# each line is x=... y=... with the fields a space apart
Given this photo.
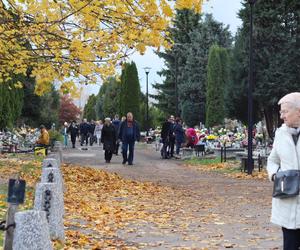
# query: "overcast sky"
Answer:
x=224 y=11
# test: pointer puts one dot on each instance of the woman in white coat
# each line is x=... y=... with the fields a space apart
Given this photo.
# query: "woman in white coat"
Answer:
x=285 y=155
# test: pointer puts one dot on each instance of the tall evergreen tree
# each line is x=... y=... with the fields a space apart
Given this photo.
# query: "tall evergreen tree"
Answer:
x=193 y=88
x=276 y=54
x=99 y=102
x=184 y=23
x=11 y=102
x=50 y=108
x=89 y=111
x=111 y=98
x=215 y=88
x=130 y=91
x=31 y=111
x=186 y=64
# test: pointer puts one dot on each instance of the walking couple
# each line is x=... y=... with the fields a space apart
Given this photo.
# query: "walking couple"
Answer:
x=127 y=133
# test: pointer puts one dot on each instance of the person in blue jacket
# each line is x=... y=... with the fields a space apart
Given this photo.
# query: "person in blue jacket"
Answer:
x=129 y=132
x=179 y=134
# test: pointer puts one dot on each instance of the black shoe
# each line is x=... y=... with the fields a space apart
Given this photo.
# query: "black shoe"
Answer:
x=130 y=163
x=124 y=162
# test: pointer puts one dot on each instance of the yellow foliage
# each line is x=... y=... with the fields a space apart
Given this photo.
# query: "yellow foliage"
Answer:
x=79 y=38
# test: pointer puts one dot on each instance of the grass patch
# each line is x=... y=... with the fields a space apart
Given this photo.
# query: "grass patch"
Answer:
x=199 y=161
x=215 y=165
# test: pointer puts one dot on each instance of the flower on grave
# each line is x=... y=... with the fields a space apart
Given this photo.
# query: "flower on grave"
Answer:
x=211 y=137
x=259 y=136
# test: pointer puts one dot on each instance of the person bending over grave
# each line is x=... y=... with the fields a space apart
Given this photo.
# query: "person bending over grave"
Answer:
x=44 y=139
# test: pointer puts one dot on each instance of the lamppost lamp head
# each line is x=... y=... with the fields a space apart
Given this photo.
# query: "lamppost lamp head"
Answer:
x=147 y=70
x=252 y=1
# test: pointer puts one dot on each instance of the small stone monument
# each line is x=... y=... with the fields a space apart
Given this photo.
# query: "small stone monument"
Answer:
x=51 y=163
x=55 y=155
x=58 y=149
x=32 y=231
x=49 y=199
x=53 y=175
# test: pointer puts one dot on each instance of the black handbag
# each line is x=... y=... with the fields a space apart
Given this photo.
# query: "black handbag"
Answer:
x=286 y=184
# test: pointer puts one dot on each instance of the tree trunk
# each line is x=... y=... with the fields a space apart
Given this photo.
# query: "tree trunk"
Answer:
x=272 y=118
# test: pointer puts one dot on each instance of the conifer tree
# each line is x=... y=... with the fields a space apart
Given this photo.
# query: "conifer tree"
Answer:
x=11 y=102
x=89 y=111
x=276 y=57
x=130 y=91
x=215 y=89
x=186 y=64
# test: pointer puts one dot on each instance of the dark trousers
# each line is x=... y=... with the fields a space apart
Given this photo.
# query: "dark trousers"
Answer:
x=178 y=146
x=73 y=140
x=291 y=239
x=117 y=148
x=92 y=139
x=84 y=138
x=108 y=155
x=172 y=144
x=125 y=146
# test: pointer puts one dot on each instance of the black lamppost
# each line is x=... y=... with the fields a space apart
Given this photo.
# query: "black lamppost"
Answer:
x=177 y=47
x=147 y=70
x=176 y=87
x=250 y=162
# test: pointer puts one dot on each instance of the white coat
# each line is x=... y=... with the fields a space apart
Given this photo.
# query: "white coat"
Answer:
x=285 y=212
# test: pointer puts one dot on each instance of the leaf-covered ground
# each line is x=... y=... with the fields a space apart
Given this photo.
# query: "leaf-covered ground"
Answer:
x=155 y=205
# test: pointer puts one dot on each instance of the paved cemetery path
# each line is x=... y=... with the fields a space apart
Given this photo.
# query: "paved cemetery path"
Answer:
x=235 y=215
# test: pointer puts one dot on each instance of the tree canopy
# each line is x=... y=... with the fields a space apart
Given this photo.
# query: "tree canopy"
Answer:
x=276 y=40
x=62 y=40
x=186 y=64
x=68 y=111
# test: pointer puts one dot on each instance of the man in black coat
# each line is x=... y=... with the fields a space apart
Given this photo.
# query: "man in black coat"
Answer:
x=91 y=132
x=167 y=138
x=84 y=132
x=73 y=131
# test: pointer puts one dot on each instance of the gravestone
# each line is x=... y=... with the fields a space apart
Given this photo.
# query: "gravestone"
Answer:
x=58 y=149
x=32 y=231
x=51 y=163
x=53 y=175
x=49 y=199
x=55 y=155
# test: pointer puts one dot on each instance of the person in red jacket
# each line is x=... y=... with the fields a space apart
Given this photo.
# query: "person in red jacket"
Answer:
x=192 y=138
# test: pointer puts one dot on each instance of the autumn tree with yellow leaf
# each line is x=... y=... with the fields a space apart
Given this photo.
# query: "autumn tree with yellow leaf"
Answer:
x=66 y=39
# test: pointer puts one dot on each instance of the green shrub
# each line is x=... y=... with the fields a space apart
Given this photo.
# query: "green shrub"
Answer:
x=55 y=136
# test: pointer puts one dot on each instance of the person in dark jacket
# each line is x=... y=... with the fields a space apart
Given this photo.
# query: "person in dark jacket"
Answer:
x=91 y=132
x=179 y=135
x=116 y=123
x=166 y=131
x=73 y=131
x=84 y=132
x=172 y=135
x=129 y=132
x=108 y=138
